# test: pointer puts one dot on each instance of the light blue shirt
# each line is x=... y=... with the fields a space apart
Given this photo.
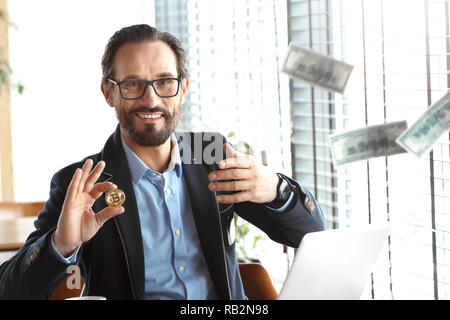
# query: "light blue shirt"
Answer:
x=175 y=267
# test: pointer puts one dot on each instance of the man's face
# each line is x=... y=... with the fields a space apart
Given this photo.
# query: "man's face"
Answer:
x=149 y=120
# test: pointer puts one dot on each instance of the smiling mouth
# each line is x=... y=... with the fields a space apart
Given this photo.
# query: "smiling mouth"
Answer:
x=149 y=115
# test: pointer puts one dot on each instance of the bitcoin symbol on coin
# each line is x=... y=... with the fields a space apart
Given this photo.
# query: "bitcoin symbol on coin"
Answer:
x=115 y=198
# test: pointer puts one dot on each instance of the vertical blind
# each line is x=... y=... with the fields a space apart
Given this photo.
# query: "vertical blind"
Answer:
x=313 y=109
x=400 y=50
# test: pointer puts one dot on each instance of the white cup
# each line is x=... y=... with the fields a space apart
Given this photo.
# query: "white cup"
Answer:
x=87 y=298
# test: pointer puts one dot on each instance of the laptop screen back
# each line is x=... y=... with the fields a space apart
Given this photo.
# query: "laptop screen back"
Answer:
x=334 y=264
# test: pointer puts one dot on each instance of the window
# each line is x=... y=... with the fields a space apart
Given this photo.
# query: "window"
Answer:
x=401 y=68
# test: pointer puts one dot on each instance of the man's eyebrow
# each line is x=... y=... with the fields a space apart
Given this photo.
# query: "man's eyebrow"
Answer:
x=159 y=75
x=166 y=75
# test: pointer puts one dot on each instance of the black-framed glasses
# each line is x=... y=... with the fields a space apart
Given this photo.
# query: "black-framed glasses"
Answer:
x=135 y=89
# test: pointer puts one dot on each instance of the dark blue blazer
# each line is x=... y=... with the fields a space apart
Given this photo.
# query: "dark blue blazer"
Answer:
x=112 y=262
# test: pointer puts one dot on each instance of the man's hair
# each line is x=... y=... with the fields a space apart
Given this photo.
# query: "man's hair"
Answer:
x=137 y=34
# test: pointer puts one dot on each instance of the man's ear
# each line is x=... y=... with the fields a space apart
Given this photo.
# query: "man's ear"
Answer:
x=108 y=94
x=184 y=89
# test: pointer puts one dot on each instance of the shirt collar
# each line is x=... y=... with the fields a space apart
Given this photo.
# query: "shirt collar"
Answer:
x=138 y=167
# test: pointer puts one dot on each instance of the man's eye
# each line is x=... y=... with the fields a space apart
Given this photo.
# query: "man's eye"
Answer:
x=163 y=81
x=131 y=84
x=166 y=82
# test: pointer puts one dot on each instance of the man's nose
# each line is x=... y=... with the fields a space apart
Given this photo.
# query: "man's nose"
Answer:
x=150 y=96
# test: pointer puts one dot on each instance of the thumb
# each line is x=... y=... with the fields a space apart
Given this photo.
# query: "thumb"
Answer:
x=229 y=151
x=107 y=213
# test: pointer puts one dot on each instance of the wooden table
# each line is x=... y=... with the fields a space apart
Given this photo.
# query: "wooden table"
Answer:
x=14 y=232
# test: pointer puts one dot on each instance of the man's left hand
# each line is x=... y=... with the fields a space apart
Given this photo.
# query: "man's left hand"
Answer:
x=250 y=180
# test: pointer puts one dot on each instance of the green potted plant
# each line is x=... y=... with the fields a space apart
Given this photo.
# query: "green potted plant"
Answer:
x=247 y=236
x=5 y=68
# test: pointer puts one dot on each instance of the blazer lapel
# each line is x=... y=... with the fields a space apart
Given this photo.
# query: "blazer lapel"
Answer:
x=128 y=223
x=207 y=219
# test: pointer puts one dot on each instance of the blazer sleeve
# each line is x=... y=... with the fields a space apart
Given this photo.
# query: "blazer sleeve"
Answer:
x=35 y=271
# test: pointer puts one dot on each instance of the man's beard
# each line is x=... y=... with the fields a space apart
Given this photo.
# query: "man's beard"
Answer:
x=149 y=136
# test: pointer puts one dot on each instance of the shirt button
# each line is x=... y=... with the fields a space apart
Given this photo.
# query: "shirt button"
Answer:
x=153 y=174
x=177 y=232
x=181 y=269
x=168 y=191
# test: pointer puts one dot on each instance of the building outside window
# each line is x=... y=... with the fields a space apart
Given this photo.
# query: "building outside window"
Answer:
x=401 y=68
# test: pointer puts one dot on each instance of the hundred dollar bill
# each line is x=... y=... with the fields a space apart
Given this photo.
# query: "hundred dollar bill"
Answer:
x=366 y=143
x=423 y=134
x=316 y=68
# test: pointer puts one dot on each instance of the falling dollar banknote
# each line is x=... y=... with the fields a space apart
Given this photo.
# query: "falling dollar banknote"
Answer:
x=316 y=69
x=366 y=143
x=424 y=133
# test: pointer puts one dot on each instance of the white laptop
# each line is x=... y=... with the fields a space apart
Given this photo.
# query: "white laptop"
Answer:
x=334 y=264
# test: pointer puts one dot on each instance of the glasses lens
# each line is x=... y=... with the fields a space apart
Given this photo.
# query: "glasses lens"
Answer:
x=132 y=88
x=166 y=87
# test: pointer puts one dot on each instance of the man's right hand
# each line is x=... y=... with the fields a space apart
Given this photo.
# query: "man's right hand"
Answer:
x=78 y=223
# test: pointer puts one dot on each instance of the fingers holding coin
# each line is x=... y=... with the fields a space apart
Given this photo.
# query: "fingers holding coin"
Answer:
x=91 y=176
x=86 y=182
x=100 y=188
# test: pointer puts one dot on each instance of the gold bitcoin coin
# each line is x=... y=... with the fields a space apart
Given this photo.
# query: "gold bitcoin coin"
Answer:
x=115 y=198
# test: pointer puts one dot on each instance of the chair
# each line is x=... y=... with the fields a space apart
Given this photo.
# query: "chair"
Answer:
x=255 y=278
x=63 y=292
x=257 y=282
